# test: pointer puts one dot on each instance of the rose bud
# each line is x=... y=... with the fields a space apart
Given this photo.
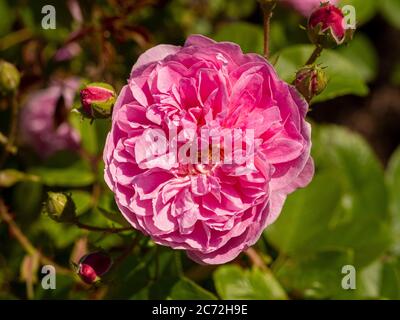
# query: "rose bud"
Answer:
x=97 y=100
x=60 y=207
x=9 y=78
x=93 y=266
x=310 y=81
x=326 y=27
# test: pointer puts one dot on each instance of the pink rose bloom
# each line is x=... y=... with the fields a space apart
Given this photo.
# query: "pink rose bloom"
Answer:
x=40 y=128
x=217 y=210
x=306 y=7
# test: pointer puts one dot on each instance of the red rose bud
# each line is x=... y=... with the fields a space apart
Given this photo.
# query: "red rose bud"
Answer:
x=97 y=100
x=9 y=78
x=93 y=266
x=326 y=27
x=87 y=274
x=310 y=81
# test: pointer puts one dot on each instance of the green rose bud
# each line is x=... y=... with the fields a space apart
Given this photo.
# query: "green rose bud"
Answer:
x=60 y=207
x=9 y=78
x=310 y=81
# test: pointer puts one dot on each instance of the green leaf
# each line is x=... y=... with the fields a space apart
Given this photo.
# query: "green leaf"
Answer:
x=278 y=36
x=7 y=17
x=379 y=280
x=82 y=199
x=342 y=74
x=167 y=270
x=109 y=209
x=395 y=78
x=103 y=127
x=233 y=8
x=317 y=276
x=234 y=283
x=185 y=289
x=27 y=201
x=361 y=52
x=130 y=278
x=54 y=234
x=393 y=183
x=78 y=174
x=114 y=216
x=390 y=279
x=249 y=36
x=345 y=206
x=390 y=9
x=365 y=9
x=87 y=132
x=150 y=276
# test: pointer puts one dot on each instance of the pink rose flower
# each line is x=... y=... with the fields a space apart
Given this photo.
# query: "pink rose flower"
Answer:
x=217 y=210
x=40 y=128
x=306 y=7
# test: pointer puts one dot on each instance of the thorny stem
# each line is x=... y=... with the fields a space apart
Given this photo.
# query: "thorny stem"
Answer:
x=25 y=243
x=255 y=259
x=267 y=18
x=267 y=8
x=101 y=229
x=315 y=55
x=258 y=262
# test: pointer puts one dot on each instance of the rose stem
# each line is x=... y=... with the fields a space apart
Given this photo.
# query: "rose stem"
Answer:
x=101 y=229
x=255 y=259
x=267 y=8
x=315 y=55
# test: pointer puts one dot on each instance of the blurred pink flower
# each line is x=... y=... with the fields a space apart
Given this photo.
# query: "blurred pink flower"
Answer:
x=306 y=7
x=75 y=10
x=68 y=52
x=39 y=124
x=214 y=211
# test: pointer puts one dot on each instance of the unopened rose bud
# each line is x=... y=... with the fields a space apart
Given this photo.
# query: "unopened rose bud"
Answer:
x=97 y=100
x=326 y=27
x=9 y=78
x=93 y=266
x=60 y=207
x=310 y=81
